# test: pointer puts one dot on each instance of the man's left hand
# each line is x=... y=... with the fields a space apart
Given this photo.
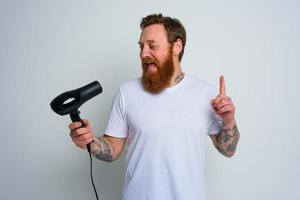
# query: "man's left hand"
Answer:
x=223 y=106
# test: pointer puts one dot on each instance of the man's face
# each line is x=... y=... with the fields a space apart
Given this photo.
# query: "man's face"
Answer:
x=156 y=57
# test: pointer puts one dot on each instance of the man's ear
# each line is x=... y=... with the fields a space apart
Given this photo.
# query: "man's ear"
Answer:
x=177 y=48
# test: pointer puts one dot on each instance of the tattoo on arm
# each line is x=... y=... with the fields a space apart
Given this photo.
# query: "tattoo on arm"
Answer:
x=227 y=140
x=102 y=149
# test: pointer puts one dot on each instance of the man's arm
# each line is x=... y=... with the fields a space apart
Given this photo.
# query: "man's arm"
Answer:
x=107 y=148
x=226 y=140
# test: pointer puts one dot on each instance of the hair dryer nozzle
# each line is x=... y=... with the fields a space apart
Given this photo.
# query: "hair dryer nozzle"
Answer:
x=69 y=102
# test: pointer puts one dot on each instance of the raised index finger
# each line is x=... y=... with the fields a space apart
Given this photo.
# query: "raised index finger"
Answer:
x=222 y=86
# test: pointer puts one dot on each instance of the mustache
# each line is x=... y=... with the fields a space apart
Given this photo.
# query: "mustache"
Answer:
x=149 y=60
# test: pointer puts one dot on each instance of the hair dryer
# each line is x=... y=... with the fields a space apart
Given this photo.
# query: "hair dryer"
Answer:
x=70 y=101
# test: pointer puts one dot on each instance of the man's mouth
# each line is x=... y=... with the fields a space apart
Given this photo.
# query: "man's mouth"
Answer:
x=150 y=66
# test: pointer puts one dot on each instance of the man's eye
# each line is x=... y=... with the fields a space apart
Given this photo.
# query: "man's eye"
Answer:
x=152 y=46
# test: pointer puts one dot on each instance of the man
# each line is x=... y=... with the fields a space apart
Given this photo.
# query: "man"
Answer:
x=164 y=118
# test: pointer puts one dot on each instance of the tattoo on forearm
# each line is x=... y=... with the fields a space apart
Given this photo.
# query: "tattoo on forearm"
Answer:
x=102 y=150
x=227 y=140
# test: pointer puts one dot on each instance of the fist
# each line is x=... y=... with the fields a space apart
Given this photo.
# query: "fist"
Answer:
x=81 y=136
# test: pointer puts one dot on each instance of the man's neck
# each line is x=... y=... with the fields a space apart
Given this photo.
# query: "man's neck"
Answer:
x=178 y=75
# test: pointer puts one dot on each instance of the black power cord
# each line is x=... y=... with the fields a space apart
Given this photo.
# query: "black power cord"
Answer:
x=91 y=170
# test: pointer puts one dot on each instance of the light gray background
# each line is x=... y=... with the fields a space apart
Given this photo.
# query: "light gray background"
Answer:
x=48 y=47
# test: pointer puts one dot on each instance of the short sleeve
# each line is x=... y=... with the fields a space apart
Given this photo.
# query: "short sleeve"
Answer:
x=117 y=123
x=215 y=123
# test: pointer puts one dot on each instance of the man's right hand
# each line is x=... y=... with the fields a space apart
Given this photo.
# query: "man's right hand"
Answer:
x=81 y=136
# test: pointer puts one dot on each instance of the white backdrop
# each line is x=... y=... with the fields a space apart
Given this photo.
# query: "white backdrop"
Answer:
x=48 y=47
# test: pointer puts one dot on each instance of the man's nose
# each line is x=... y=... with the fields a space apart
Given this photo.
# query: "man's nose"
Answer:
x=144 y=53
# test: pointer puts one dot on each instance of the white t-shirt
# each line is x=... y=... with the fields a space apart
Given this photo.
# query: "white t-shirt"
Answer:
x=166 y=133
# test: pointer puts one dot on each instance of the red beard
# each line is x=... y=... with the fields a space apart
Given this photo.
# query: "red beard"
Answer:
x=161 y=79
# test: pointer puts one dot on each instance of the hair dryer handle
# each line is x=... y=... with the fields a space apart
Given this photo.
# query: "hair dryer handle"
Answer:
x=75 y=117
